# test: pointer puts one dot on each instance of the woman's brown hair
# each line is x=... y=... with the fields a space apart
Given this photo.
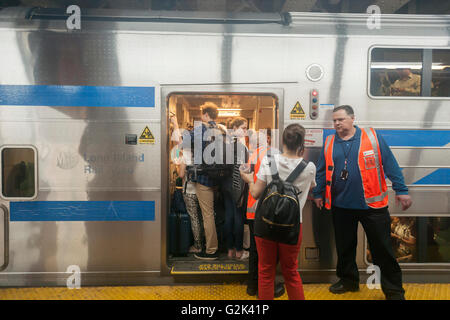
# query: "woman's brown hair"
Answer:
x=294 y=137
x=237 y=122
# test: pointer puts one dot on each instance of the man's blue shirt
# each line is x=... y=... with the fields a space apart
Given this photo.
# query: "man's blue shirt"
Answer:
x=199 y=135
x=349 y=193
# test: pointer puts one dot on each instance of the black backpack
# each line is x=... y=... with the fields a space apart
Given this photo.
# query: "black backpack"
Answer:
x=219 y=170
x=277 y=216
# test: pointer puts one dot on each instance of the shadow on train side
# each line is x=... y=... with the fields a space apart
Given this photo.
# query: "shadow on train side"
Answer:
x=62 y=59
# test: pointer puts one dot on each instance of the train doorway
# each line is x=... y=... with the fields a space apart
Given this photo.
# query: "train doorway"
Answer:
x=185 y=227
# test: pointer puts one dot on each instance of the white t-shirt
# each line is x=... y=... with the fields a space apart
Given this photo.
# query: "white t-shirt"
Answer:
x=304 y=182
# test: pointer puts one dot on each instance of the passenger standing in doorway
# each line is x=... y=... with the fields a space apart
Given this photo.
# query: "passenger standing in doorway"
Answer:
x=287 y=162
x=351 y=183
x=189 y=193
x=233 y=191
x=204 y=185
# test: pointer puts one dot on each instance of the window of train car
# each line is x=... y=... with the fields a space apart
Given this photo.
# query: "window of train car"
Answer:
x=395 y=72
x=18 y=172
x=441 y=73
x=419 y=239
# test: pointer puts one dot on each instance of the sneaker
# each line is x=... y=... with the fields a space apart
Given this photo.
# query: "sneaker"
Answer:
x=206 y=256
x=244 y=255
x=193 y=249
x=395 y=296
x=252 y=290
x=339 y=288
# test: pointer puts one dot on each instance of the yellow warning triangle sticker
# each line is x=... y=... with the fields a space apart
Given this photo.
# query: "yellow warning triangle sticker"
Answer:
x=146 y=136
x=297 y=112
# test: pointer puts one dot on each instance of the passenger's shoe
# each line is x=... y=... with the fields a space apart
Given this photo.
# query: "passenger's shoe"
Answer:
x=279 y=290
x=231 y=253
x=206 y=256
x=396 y=296
x=339 y=288
x=252 y=290
x=244 y=256
x=193 y=249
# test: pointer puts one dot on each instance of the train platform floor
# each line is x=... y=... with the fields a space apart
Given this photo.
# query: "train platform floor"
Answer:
x=227 y=291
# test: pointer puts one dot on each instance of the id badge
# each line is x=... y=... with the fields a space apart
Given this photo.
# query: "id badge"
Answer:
x=369 y=162
x=344 y=174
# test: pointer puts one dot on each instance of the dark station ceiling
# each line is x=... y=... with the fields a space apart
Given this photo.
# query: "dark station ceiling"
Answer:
x=341 y=6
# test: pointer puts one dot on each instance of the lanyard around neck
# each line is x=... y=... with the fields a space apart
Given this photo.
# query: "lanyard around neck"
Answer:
x=346 y=154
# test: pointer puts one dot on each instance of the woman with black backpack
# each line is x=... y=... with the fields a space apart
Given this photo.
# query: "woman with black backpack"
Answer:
x=291 y=178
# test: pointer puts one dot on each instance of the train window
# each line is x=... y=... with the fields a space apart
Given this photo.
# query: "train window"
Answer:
x=395 y=72
x=18 y=172
x=441 y=73
x=420 y=239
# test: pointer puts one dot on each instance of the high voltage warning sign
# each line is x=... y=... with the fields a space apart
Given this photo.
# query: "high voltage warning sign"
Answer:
x=146 y=136
x=297 y=112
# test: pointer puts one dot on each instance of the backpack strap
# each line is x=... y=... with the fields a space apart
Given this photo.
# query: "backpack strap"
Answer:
x=297 y=171
x=273 y=166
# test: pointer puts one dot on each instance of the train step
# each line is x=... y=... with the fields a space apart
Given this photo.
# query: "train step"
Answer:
x=220 y=266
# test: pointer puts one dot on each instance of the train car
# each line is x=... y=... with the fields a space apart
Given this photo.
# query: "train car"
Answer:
x=85 y=137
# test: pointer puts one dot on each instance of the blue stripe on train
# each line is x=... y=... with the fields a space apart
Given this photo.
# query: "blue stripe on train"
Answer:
x=417 y=138
x=82 y=211
x=77 y=96
x=410 y=138
x=440 y=176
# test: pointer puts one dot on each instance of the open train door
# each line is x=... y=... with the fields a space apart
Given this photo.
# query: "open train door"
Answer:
x=260 y=105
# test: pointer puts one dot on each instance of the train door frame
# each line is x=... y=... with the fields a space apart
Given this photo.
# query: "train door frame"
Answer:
x=274 y=89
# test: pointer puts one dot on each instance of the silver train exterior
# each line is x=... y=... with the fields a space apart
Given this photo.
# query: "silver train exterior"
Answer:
x=101 y=204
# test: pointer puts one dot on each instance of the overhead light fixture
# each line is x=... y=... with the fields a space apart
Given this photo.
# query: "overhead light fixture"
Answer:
x=391 y=65
x=412 y=66
x=229 y=113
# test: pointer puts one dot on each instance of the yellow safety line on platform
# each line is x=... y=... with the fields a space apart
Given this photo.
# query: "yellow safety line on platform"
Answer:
x=211 y=292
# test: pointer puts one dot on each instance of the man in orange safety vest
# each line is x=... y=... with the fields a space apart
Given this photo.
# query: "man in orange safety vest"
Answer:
x=351 y=183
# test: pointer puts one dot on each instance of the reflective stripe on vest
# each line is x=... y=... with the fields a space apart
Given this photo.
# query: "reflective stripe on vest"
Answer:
x=370 y=167
x=252 y=203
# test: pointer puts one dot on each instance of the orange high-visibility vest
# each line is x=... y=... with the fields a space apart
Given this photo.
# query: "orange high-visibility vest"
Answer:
x=257 y=156
x=370 y=167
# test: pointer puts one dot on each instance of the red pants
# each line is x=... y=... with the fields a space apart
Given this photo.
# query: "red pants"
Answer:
x=267 y=263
